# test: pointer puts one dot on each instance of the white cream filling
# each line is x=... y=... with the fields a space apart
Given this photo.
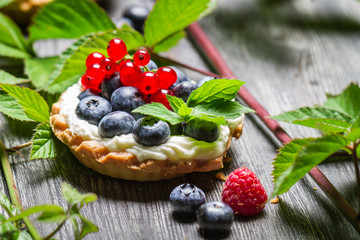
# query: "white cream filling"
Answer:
x=177 y=148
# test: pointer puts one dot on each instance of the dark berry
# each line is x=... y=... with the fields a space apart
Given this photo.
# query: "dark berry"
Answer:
x=88 y=92
x=151 y=65
x=149 y=131
x=127 y=99
x=186 y=198
x=184 y=89
x=129 y=73
x=94 y=58
x=167 y=77
x=116 y=123
x=93 y=108
x=137 y=14
x=215 y=218
x=116 y=49
x=141 y=57
x=181 y=77
x=202 y=130
x=109 y=85
x=160 y=97
x=148 y=83
x=204 y=80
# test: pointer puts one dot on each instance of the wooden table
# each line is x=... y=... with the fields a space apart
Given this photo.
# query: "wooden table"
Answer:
x=290 y=53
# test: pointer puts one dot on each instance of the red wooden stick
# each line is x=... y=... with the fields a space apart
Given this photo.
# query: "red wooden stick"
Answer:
x=205 y=44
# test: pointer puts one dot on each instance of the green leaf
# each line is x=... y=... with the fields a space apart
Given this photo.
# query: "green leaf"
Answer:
x=218 y=120
x=52 y=216
x=75 y=225
x=72 y=196
x=43 y=145
x=347 y=102
x=24 y=235
x=353 y=135
x=11 y=108
x=215 y=89
x=170 y=16
x=159 y=111
x=35 y=209
x=87 y=227
x=228 y=109
x=185 y=111
x=5 y=203
x=169 y=42
x=8 y=231
x=175 y=103
x=12 y=42
x=34 y=105
x=70 y=69
x=316 y=117
x=69 y=19
x=39 y=70
x=7 y=78
x=303 y=158
x=3 y=3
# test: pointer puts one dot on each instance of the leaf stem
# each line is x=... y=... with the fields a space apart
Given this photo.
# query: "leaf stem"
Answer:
x=357 y=173
x=14 y=194
x=55 y=231
x=18 y=147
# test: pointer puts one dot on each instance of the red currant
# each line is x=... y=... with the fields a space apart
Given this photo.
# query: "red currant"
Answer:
x=149 y=83
x=116 y=49
x=160 y=97
x=141 y=57
x=129 y=73
x=167 y=76
x=89 y=82
x=122 y=63
x=93 y=72
x=94 y=58
x=108 y=66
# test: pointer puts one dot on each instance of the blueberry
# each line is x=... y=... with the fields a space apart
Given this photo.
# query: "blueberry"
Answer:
x=88 y=92
x=137 y=14
x=149 y=131
x=184 y=89
x=116 y=123
x=109 y=85
x=152 y=65
x=93 y=109
x=181 y=77
x=127 y=99
x=204 y=80
x=215 y=217
x=202 y=130
x=186 y=198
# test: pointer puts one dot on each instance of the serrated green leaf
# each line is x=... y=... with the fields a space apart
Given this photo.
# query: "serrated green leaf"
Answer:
x=218 y=120
x=69 y=19
x=71 y=69
x=52 y=216
x=11 y=108
x=72 y=196
x=170 y=16
x=39 y=70
x=7 y=78
x=215 y=89
x=35 y=209
x=43 y=145
x=325 y=127
x=304 y=158
x=12 y=42
x=175 y=103
x=159 y=111
x=316 y=117
x=227 y=109
x=3 y=3
x=353 y=135
x=5 y=203
x=347 y=102
x=169 y=42
x=185 y=111
x=87 y=227
x=34 y=105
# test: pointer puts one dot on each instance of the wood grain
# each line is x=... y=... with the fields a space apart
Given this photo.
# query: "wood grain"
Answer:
x=290 y=53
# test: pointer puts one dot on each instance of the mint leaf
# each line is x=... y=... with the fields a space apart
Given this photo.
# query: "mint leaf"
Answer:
x=10 y=107
x=10 y=79
x=347 y=102
x=12 y=42
x=228 y=109
x=170 y=16
x=169 y=42
x=185 y=111
x=213 y=90
x=159 y=111
x=69 y=70
x=39 y=70
x=175 y=103
x=72 y=196
x=87 y=227
x=43 y=142
x=220 y=120
x=34 y=105
x=316 y=117
x=35 y=209
x=69 y=19
x=303 y=159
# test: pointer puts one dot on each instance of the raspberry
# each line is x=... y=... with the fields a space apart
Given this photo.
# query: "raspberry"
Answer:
x=244 y=193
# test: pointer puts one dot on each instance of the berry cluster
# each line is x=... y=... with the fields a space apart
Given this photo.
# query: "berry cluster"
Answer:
x=133 y=71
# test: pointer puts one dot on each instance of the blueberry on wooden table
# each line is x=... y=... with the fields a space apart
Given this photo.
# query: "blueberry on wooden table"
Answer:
x=186 y=198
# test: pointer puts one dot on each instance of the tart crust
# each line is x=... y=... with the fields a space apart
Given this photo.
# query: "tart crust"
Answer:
x=125 y=165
